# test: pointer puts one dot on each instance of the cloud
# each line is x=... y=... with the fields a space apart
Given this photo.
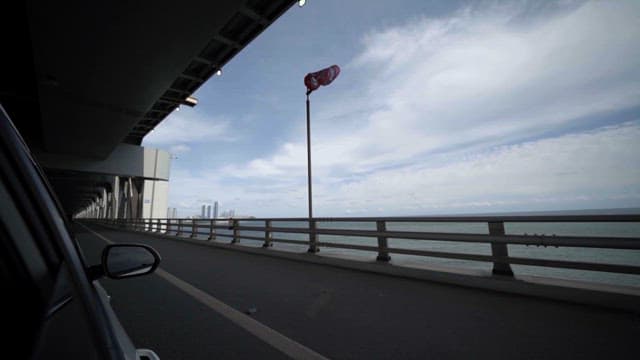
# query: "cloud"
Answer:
x=452 y=114
x=477 y=77
x=179 y=149
x=188 y=126
x=584 y=168
x=588 y=169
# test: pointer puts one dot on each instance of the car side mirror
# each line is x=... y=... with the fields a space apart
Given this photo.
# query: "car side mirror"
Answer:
x=121 y=261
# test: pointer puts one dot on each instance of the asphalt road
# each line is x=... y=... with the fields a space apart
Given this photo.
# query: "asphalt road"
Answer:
x=344 y=314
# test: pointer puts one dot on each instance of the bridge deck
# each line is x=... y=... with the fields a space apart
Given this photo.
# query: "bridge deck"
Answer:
x=345 y=314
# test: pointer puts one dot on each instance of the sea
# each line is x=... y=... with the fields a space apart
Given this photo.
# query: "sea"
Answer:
x=605 y=229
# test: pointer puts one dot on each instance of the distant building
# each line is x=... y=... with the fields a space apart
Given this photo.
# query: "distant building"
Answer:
x=215 y=210
x=203 y=209
x=208 y=211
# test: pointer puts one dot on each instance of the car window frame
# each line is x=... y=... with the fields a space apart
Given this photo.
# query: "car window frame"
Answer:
x=39 y=206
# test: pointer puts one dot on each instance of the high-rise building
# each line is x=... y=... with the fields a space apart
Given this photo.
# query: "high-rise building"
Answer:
x=203 y=208
x=175 y=213
x=215 y=210
x=208 y=211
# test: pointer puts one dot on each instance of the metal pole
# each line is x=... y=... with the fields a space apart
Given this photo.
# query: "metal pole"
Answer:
x=313 y=247
x=309 y=157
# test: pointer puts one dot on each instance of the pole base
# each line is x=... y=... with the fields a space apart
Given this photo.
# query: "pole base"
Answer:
x=313 y=250
x=502 y=272
x=385 y=258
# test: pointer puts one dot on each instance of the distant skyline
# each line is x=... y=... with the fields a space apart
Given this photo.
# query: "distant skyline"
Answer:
x=441 y=107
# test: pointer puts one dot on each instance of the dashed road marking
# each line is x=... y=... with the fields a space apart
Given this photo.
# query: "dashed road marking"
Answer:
x=270 y=336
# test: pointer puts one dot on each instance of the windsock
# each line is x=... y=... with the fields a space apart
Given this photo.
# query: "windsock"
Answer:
x=323 y=77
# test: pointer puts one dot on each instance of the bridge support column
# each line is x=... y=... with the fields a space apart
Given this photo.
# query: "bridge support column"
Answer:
x=313 y=237
x=115 y=197
x=179 y=232
x=103 y=204
x=267 y=234
x=499 y=250
x=236 y=232
x=383 y=245
x=212 y=230
x=194 y=228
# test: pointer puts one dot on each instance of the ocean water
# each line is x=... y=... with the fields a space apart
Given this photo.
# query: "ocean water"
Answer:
x=608 y=256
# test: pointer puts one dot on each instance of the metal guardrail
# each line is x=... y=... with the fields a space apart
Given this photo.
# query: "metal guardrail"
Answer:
x=496 y=236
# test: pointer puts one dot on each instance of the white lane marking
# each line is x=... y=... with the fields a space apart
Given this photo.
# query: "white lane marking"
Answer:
x=286 y=345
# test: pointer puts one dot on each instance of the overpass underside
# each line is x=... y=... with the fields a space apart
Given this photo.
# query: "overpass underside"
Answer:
x=131 y=183
x=84 y=83
x=122 y=198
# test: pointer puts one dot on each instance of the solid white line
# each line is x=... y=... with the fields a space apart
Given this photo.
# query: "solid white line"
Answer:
x=286 y=345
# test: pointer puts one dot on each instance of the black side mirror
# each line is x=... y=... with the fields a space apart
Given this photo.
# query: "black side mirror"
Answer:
x=125 y=260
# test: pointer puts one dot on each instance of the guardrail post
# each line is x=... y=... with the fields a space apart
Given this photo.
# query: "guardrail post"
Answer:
x=179 y=232
x=158 y=225
x=313 y=237
x=194 y=229
x=212 y=230
x=499 y=250
x=236 y=232
x=267 y=234
x=383 y=245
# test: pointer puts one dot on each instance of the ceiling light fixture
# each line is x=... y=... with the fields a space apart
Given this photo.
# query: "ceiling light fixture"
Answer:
x=190 y=101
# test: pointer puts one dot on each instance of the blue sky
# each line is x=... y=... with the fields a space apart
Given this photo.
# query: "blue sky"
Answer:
x=441 y=107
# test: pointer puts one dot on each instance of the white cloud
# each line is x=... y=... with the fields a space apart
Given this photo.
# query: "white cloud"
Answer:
x=585 y=169
x=188 y=126
x=479 y=76
x=441 y=101
x=179 y=149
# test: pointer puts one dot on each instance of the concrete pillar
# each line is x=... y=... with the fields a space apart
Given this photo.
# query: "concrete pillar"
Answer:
x=129 y=196
x=103 y=204
x=115 y=197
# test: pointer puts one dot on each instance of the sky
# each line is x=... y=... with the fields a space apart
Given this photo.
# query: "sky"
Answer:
x=441 y=107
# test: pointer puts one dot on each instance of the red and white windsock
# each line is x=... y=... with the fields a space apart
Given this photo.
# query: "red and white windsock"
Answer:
x=323 y=77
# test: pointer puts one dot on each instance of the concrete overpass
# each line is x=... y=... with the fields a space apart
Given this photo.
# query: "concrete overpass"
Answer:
x=84 y=83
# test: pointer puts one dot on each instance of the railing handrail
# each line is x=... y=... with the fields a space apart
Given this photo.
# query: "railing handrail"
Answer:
x=496 y=236
x=446 y=218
